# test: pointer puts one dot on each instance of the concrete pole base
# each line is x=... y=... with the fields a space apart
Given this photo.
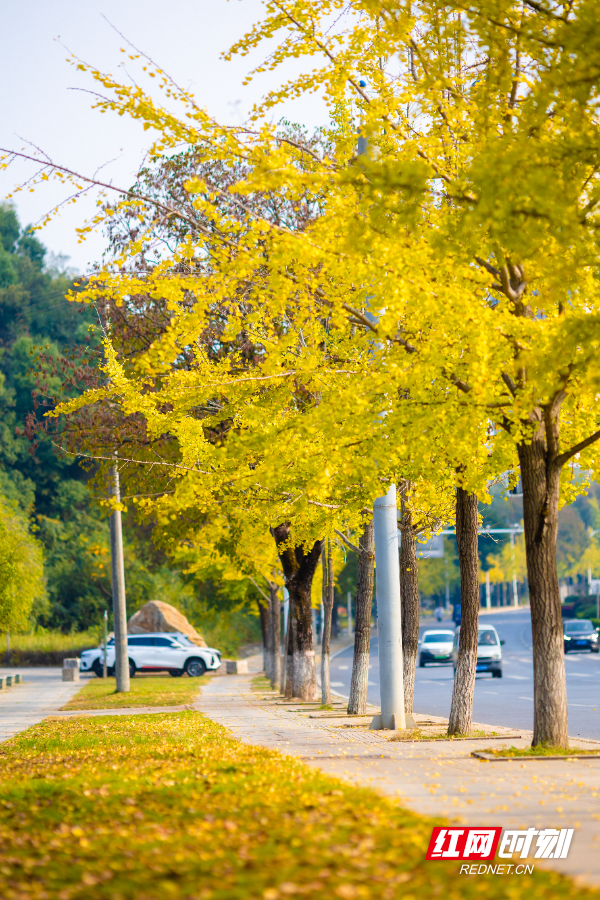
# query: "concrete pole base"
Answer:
x=378 y=724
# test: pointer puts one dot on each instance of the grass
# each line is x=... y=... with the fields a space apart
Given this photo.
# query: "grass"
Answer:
x=415 y=734
x=50 y=641
x=539 y=751
x=148 y=690
x=170 y=807
x=49 y=648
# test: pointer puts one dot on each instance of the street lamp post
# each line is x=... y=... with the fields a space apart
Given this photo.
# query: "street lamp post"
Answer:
x=391 y=679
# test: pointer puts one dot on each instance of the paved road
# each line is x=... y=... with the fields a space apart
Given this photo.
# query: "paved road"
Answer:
x=506 y=701
x=42 y=693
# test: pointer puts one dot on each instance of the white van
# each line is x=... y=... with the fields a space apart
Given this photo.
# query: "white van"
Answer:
x=489 y=651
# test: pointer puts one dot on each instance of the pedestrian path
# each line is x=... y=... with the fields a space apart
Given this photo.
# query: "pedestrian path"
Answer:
x=433 y=778
x=42 y=693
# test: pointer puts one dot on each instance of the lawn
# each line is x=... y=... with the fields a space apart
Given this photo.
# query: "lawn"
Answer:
x=146 y=690
x=170 y=807
x=538 y=751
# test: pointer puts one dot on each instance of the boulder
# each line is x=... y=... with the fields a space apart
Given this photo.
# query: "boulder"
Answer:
x=158 y=616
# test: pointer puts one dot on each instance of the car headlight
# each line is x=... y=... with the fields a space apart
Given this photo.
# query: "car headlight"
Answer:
x=567 y=638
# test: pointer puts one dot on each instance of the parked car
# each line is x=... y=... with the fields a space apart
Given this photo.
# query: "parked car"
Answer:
x=489 y=651
x=435 y=646
x=172 y=652
x=580 y=634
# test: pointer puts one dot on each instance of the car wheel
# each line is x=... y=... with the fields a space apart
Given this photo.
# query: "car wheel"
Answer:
x=132 y=668
x=195 y=667
x=98 y=668
x=421 y=662
x=497 y=673
x=176 y=673
x=595 y=649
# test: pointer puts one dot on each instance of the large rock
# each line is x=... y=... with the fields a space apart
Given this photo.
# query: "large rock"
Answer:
x=159 y=616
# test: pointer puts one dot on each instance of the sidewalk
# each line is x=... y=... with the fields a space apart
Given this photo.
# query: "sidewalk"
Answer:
x=432 y=778
x=42 y=693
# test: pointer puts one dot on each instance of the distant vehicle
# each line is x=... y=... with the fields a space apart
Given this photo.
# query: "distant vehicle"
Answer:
x=580 y=634
x=489 y=651
x=172 y=652
x=436 y=647
x=456 y=614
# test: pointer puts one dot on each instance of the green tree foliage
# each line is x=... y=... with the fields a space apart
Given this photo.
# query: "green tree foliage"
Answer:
x=21 y=569
x=40 y=331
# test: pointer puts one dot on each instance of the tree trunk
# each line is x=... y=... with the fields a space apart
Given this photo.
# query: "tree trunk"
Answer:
x=357 y=702
x=299 y=568
x=274 y=634
x=327 y=562
x=541 y=482
x=263 y=612
x=461 y=713
x=289 y=653
x=409 y=595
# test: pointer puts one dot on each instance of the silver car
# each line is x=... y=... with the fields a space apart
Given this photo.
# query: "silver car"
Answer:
x=172 y=652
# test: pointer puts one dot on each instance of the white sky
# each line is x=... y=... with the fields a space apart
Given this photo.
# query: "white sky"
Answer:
x=37 y=104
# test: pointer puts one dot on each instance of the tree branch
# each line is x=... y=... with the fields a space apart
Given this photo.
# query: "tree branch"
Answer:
x=566 y=456
x=346 y=541
x=261 y=592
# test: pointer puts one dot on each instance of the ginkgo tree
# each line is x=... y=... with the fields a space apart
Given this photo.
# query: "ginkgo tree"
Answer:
x=487 y=143
x=464 y=241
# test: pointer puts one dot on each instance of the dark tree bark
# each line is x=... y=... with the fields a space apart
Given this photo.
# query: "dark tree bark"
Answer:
x=409 y=595
x=461 y=713
x=274 y=635
x=327 y=563
x=263 y=613
x=357 y=702
x=540 y=474
x=299 y=564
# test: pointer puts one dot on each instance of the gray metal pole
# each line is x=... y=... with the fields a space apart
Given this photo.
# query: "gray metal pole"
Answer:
x=105 y=642
x=349 y=605
x=385 y=522
x=118 y=590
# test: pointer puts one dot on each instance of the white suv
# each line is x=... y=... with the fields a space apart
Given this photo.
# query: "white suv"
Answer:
x=158 y=652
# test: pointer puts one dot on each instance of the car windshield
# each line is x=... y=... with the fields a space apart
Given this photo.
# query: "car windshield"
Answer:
x=487 y=638
x=438 y=637
x=584 y=627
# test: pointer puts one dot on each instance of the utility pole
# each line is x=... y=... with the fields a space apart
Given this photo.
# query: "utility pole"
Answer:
x=514 y=575
x=118 y=588
x=385 y=522
x=104 y=673
x=349 y=604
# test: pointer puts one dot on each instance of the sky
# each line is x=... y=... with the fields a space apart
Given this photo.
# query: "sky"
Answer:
x=44 y=104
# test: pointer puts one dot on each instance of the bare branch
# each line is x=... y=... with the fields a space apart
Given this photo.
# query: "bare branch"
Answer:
x=566 y=456
x=261 y=592
x=509 y=383
x=489 y=268
x=346 y=541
